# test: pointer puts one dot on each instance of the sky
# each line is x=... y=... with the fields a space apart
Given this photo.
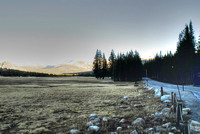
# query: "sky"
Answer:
x=50 y=32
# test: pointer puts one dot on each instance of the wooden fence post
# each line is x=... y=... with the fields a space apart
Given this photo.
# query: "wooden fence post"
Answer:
x=179 y=113
x=179 y=92
x=187 y=128
x=161 y=90
x=175 y=102
x=147 y=83
x=172 y=97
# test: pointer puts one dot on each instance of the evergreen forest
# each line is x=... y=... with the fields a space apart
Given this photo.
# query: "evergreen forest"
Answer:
x=181 y=67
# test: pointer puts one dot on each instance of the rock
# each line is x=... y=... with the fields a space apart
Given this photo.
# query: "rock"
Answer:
x=167 y=101
x=182 y=125
x=158 y=128
x=172 y=108
x=114 y=116
x=89 y=124
x=119 y=128
x=75 y=131
x=186 y=111
x=129 y=126
x=173 y=129
x=93 y=116
x=157 y=114
x=125 y=97
x=93 y=128
x=195 y=126
x=128 y=108
x=150 y=132
x=59 y=117
x=163 y=130
x=139 y=121
x=9 y=126
x=122 y=120
x=134 y=132
x=150 y=129
x=157 y=92
x=123 y=106
x=138 y=105
x=166 y=125
x=165 y=112
x=105 y=119
x=95 y=120
x=165 y=97
x=96 y=123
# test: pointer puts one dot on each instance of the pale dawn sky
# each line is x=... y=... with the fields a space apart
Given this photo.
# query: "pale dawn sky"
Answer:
x=49 y=32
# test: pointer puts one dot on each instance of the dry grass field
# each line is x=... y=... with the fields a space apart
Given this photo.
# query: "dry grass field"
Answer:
x=57 y=105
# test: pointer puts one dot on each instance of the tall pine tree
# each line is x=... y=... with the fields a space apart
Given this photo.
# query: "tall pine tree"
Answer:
x=104 y=67
x=178 y=68
x=100 y=66
x=111 y=63
x=128 y=67
x=185 y=56
x=96 y=63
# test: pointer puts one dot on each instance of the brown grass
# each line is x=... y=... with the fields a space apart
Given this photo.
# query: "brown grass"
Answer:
x=33 y=105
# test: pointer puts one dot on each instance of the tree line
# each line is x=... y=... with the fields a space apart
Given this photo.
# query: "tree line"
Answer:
x=12 y=72
x=123 y=67
x=183 y=66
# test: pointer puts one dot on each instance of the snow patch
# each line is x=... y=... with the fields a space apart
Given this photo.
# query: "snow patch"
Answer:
x=190 y=95
x=165 y=97
x=197 y=95
x=195 y=126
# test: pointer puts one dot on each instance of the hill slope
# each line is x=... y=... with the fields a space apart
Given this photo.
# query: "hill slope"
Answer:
x=72 y=67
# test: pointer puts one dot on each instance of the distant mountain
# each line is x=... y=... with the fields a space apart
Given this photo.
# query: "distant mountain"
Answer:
x=49 y=67
x=68 y=67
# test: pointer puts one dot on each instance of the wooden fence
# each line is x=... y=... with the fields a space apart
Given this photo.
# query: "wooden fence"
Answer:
x=184 y=126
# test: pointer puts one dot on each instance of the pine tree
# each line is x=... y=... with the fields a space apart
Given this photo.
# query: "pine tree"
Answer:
x=96 y=68
x=128 y=67
x=198 y=45
x=185 y=55
x=198 y=57
x=179 y=68
x=191 y=34
x=111 y=63
x=100 y=65
x=105 y=67
x=138 y=66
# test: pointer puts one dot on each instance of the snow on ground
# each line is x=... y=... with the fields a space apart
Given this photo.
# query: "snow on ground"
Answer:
x=190 y=95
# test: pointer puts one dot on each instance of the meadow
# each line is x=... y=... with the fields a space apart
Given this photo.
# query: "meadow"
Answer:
x=59 y=104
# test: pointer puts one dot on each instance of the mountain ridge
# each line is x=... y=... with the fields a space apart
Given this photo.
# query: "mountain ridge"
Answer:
x=73 y=67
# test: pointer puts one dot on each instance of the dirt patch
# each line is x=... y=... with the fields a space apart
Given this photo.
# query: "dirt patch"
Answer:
x=57 y=105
